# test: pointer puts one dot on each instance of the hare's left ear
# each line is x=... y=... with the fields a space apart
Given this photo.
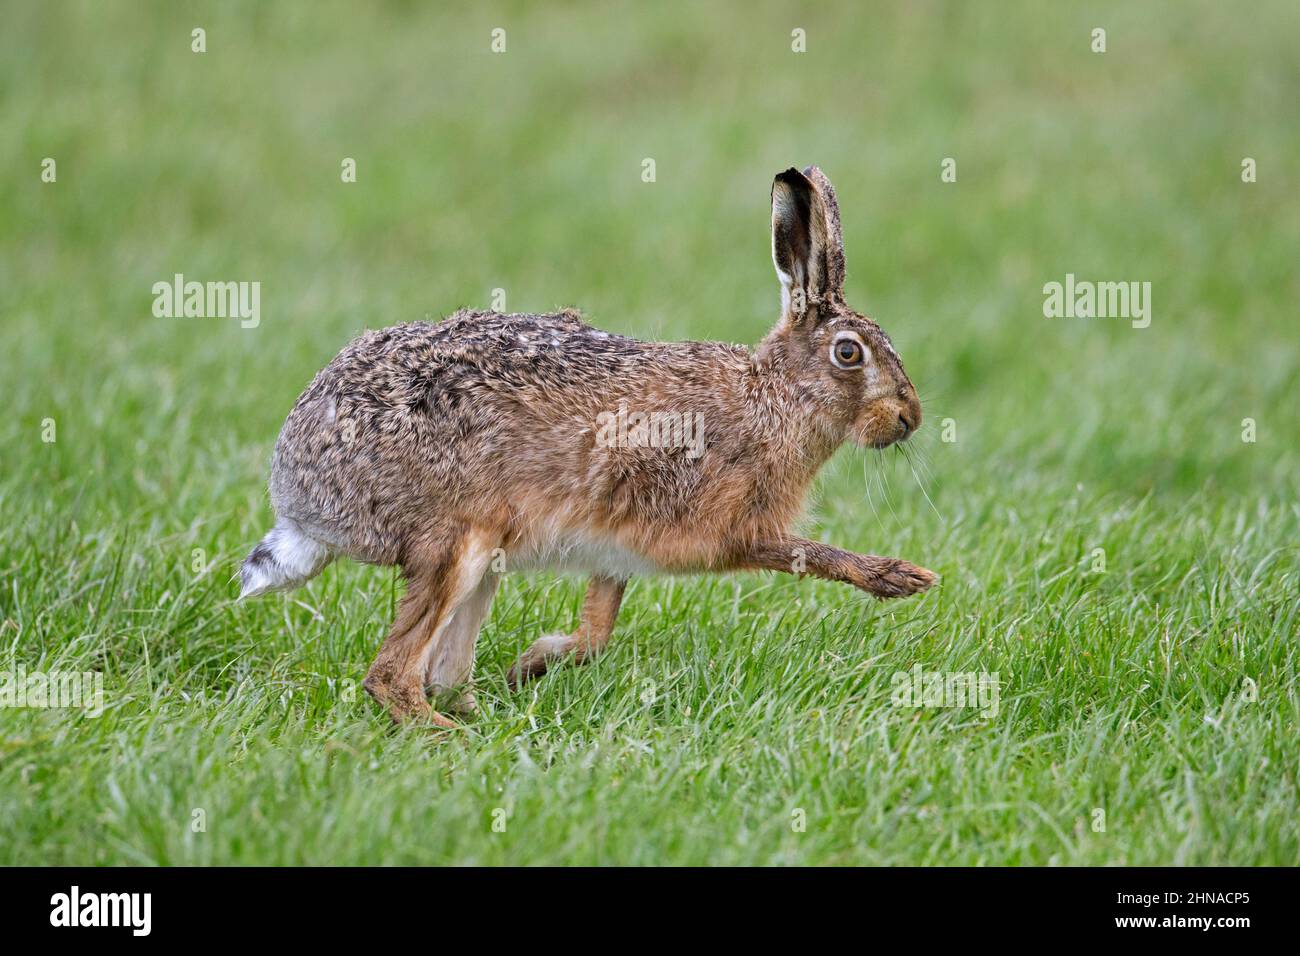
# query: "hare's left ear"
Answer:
x=807 y=245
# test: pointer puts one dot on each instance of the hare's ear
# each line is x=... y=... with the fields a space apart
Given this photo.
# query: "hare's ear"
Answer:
x=806 y=246
x=834 y=234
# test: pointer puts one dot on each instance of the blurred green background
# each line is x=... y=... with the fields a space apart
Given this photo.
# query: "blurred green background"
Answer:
x=523 y=171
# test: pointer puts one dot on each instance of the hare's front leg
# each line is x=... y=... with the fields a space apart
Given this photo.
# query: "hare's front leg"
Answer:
x=881 y=577
x=440 y=577
x=599 y=610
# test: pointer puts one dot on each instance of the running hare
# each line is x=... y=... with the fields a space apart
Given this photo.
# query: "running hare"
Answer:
x=489 y=441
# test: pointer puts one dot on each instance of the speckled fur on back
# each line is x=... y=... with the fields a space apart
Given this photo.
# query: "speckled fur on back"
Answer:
x=428 y=444
x=494 y=418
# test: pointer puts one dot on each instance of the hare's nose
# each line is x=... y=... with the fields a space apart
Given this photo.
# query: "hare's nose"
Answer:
x=909 y=416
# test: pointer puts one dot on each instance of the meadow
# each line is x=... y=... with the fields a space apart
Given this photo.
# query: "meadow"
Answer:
x=1113 y=510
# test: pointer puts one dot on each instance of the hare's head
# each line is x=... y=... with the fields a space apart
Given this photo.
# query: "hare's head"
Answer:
x=844 y=361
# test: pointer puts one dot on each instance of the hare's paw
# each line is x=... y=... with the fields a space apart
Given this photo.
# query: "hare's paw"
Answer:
x=890 y=577
x=904 y=578
x=535 y=661
x=458 y=701
x=405 y=702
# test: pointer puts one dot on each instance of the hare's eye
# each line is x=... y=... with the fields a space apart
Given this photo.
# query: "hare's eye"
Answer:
x=847 y=353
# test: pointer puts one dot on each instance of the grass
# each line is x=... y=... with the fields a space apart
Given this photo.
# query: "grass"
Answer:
x=1160 y=690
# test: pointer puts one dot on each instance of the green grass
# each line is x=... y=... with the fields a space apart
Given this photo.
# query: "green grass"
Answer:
x=723 y=705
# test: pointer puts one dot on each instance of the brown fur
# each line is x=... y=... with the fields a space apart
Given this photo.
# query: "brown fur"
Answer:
x=599 y=611
x=428 y=445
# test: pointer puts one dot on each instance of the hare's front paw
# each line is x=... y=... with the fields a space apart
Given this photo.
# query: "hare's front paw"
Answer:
x=892 y=577
x=540 y=655
x=916 y=578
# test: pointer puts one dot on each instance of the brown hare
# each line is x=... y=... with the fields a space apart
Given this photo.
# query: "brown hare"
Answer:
x=487 y=442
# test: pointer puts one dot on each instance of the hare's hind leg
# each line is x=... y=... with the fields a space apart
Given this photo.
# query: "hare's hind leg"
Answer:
x=440 y=575
x=451 y=663
x=599 y=610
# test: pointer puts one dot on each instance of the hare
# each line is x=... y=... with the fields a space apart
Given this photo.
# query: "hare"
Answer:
x=490 y=442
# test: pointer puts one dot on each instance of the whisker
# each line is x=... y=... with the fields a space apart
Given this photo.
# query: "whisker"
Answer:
x=907 y=457
x=866 y=487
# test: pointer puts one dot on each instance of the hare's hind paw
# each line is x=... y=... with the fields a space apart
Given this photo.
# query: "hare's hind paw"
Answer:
x=405 y=704
x=462 y=703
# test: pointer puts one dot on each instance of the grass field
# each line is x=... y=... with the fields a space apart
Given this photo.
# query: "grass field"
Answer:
x=741 y=720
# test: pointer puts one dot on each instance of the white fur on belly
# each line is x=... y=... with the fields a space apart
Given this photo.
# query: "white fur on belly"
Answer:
x=583 y=552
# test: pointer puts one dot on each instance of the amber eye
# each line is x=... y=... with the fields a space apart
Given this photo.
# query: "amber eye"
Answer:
x=847 y=353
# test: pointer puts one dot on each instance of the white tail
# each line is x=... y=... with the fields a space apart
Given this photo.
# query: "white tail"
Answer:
x=286 y=558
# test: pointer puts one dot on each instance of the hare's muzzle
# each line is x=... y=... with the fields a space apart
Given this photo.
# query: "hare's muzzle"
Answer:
x=892 y=418
x=909 y=415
